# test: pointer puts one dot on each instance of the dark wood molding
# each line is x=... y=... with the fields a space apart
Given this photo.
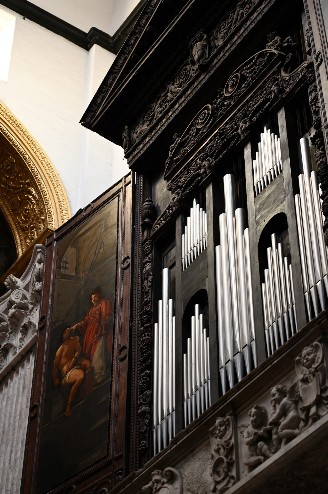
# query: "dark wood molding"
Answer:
x=73 y=34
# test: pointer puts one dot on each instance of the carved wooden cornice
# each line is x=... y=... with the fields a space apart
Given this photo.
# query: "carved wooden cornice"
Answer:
x=222 y=41
x=32 y=195
x=227 y=121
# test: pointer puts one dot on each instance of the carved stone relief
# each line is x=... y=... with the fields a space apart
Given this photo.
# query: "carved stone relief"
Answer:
x=222 y=444
x=167 y=481
x=312 y=381
x=19 y=308
x=294 y=408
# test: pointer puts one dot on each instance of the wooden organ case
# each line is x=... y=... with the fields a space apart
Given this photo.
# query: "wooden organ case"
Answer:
x=220 y=112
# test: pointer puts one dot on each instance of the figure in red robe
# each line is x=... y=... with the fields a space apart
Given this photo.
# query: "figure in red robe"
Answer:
x=96 y=334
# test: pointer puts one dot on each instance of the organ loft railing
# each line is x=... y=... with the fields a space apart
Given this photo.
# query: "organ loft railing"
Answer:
x=254 y=248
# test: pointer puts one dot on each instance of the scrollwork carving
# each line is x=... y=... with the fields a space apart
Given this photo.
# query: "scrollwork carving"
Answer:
x=222 y=444
x=203 y=46
x=22 y=198
x=168 y=481
x=184 y=180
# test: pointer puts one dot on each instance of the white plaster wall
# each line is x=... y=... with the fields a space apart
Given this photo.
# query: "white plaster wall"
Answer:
x=50 y=83
x=106 y=15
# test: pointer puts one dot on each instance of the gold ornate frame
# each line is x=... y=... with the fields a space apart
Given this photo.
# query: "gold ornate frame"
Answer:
x=32 y=196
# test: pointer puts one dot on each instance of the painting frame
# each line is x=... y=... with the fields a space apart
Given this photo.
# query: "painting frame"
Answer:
x=81 y=274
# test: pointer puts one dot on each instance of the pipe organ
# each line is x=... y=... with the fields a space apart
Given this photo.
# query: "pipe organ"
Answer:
x=267 y=164
x=194 y=238
x=164 y=370
x=234 y=293
x=278 y=298
x=313 y=251
x=196 y=371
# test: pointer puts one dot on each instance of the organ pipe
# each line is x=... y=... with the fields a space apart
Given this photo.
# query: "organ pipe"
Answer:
x=234 y=293
x=267 y=164
x=196 y=371
x=278 y=298
x=194 y=238
x=313 y=252
x=164 y=370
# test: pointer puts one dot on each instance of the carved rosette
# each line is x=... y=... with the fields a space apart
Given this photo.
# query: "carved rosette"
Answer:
x=223 y=454
x=168 y=481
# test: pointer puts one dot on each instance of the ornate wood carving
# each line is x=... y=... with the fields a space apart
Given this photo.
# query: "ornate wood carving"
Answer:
x=320 y=122
x=274 y=61
x=203 y=48
x=145 y=334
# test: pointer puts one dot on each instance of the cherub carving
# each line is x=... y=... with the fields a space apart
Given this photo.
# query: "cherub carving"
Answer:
x=285 y=418
x=221 y=436
x=167 y=481
x=257 y=437
x=312 y=383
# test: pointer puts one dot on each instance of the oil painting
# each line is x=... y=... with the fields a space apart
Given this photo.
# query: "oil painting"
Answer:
x=75 y=422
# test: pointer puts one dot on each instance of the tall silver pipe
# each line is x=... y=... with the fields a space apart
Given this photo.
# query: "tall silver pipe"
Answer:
x=230 y=210
x=240 y=227
x=306 y=232
x=185 y=390
x=249 y=289
x=223 y=351
x=227 y=314
x=155 y=391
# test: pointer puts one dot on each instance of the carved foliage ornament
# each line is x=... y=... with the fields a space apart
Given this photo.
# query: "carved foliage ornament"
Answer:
x=222 y=445
x=203 y=47
x=145 y=333
x=168 y=481
x=22 y=198
x=32 y=175
x=280 y=83
x=237 y=84
x=19 y=309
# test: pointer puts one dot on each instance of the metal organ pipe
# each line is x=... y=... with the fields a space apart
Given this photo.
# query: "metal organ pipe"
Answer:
x=196 y=373
x=164 y=370
x=267 y=164
x=194 y=238
x=234 y=293
x=277 y=298
x=313 y=251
